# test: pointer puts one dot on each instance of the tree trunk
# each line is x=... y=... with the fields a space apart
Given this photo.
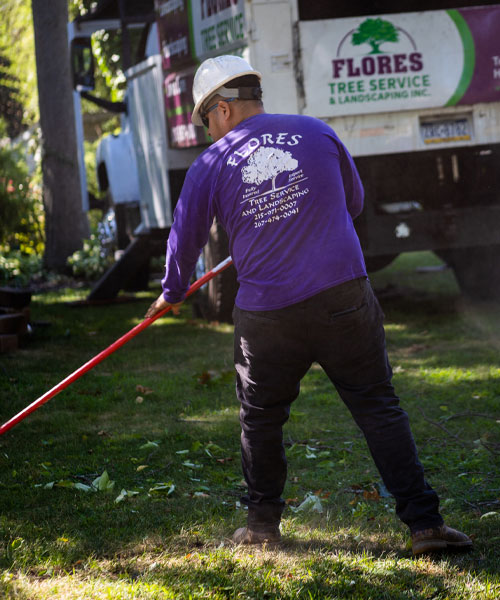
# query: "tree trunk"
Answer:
x=65 y=223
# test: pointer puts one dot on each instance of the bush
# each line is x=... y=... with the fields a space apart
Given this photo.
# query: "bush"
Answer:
x=17 y=269
x=21 y=215
x=92 y=261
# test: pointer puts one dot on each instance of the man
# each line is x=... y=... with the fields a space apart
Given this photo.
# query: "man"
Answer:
x=286 y=191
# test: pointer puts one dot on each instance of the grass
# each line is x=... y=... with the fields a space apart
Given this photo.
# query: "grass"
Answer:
x=160 y=418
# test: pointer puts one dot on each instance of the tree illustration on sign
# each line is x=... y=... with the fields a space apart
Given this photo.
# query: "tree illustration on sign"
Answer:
x=267 y=163
x=375 y=32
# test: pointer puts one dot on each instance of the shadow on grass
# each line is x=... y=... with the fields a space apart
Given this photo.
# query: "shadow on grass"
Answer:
x=97 y=424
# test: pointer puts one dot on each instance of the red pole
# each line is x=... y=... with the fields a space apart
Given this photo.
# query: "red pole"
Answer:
x=109 y=350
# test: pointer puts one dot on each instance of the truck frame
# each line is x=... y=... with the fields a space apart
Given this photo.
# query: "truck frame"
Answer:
x=413 y=91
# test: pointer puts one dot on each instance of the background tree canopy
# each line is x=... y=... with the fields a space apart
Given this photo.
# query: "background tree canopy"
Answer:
x=18 y=92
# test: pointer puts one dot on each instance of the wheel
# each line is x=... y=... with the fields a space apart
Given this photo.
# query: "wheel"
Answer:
x=477 y=270
x=215 y=300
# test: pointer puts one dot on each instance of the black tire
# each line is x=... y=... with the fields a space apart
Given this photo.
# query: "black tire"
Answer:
x=477 y=270
x=215 y=301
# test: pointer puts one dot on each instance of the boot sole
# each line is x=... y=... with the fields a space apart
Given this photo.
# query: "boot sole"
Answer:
x=433 y=545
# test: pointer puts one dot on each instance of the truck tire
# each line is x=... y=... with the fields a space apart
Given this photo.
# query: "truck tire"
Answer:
x=476 y=270
x=215 y=300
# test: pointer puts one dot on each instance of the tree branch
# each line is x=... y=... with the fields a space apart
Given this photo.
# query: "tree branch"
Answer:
x=442 y=427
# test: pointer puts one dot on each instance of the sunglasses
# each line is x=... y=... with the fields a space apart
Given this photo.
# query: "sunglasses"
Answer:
x=204 y=116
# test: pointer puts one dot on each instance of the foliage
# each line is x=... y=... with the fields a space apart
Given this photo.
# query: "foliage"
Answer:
x=17 y=268
x=90 y=150
x=92 y=260
x=105 y=47
x=375 y=32
x=160 y=417
x=21 y=211
x=21 y=215
x=17 y=47
x=107 y=50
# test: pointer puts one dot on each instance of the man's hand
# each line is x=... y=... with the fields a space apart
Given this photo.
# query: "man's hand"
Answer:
x=160 y=304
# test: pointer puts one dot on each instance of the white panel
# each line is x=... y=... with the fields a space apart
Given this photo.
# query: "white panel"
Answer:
x=271 y=53
x=147 y=121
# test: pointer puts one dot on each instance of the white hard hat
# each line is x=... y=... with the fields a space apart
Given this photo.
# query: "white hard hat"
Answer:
x=212 y=74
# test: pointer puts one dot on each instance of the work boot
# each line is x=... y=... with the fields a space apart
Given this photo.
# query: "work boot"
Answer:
x=258 y=533
x=439 y=538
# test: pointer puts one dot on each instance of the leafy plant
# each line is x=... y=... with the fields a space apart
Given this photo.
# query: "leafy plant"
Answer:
x=17 y=268
x=21 y=213
x=91 y=261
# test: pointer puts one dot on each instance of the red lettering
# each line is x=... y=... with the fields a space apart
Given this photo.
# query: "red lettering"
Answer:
x=216 y=6
x=368 y=65
x=399 y=63
x=380 y=65
x=352 y=71
x=416 y=63
x=338 y=65
x=384 y=64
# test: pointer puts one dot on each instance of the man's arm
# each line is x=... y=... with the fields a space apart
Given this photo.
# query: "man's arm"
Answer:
x=193 y=218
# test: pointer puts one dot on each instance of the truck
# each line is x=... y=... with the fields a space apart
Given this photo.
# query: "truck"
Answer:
x=412 y=89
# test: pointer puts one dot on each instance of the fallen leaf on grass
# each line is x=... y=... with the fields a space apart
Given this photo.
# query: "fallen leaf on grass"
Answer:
x=143 y=390
x=150 y=446
x=163 y=488
x=321 y=494
x=371 y=494
x=213 y=377
x=82 y=487
x=213 y=448
x=139 y=400
x=102 y=483
x=191 y=465
x=311 y=503
x=125 y=494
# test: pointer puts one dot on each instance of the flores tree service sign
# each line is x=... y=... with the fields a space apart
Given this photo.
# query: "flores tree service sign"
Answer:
x=401 y=61
x=190 y=31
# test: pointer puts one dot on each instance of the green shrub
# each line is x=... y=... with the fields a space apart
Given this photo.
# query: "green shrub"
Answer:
x=91 y=261
x=21 y=215
x=18 y=268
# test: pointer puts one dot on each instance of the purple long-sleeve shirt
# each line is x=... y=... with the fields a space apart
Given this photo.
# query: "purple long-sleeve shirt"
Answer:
x=286 y=191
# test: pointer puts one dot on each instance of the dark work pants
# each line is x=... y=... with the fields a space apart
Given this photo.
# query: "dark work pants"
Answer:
x=342 y=329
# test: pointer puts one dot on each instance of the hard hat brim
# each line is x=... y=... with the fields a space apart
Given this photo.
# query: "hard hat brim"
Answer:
x=195 y=116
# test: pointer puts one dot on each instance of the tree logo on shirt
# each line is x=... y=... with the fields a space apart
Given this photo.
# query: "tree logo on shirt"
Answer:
x=267 y=163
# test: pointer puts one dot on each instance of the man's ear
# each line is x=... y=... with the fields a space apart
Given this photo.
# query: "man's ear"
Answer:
x=227 y=109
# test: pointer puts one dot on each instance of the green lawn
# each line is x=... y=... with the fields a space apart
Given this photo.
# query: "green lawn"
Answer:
x=160 y=419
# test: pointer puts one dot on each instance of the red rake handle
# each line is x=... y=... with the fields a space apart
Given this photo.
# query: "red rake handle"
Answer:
x=109 y=350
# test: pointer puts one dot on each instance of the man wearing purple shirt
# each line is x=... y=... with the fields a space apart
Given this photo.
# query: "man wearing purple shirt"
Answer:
x=286 y=191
